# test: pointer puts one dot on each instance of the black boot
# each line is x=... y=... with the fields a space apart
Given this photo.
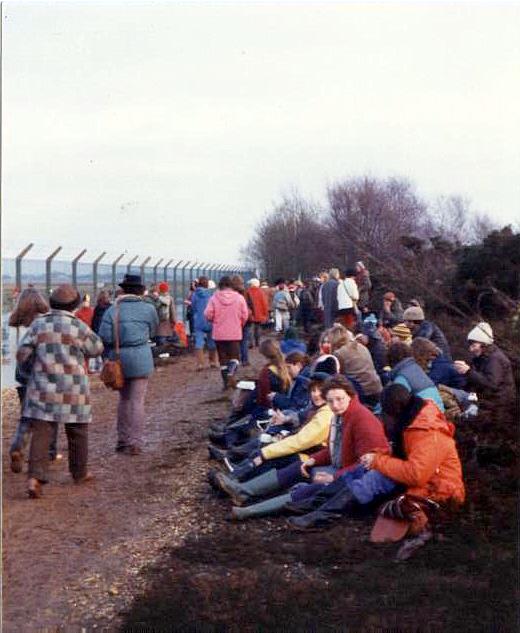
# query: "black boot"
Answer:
x=216 y=453
x=343 y=503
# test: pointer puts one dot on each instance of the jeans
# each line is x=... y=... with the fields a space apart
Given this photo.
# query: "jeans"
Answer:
x=244 y=344
x=202 y=337
x=366 y=485
x=130 y=413
x=282 y=320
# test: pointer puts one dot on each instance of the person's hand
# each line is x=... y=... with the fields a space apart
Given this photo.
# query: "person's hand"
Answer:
x=323 y=478
x=278 y=418
x=367 y=460
x=271 y=395
x=258 y=461
x=461 y=366
x=305 y=466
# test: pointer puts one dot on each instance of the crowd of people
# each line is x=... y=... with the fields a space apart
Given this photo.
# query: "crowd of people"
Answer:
x=354 y=410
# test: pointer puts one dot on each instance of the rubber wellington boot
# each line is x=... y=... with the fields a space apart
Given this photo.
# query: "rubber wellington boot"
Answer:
x=224 y=372
x=240 y=493
x=199 y=355
x=341 y=504
x=264 y=508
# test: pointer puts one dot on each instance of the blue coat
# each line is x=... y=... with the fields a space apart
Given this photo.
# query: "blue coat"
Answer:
x=199 y=301
x=409 y=374
x=292 y=345
x=433 y=333
x=443 y=372
x=138 y=323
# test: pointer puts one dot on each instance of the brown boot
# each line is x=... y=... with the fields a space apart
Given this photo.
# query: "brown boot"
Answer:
x=199 y=355
x=34 y=488
x=213 y=363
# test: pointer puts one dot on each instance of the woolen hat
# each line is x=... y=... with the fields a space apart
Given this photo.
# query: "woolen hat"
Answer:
x=64 y=295
x=482 y=333
x=132 y=281
x=164 y=287
x=413 y=313
x=403 y=332
x=328 y=364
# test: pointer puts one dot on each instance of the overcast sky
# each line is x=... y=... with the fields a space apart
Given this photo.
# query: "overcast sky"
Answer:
x=168 y=129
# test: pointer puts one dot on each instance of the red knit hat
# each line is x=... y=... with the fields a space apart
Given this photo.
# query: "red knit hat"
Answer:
x=164 y=287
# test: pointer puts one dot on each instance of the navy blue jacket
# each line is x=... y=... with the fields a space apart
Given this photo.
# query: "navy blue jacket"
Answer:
x=298 y=396
x=443 y=372
x=433 y=333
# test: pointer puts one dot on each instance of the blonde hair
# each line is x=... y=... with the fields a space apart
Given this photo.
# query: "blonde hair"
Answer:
x=271 y=350
x=30 y=304
x=334 y=273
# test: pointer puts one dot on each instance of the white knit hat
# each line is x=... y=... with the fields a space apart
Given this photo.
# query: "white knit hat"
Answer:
x=481 y=333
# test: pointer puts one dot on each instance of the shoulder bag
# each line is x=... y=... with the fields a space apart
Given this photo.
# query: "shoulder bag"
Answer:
x=112 y=372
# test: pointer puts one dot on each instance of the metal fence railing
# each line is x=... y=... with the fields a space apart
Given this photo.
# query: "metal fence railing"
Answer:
x=97 y=275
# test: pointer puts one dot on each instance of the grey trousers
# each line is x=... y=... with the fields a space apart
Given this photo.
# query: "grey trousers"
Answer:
x=130 y=413
x=77 y=438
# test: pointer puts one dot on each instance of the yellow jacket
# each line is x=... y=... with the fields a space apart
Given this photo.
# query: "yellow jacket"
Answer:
x=314 y=433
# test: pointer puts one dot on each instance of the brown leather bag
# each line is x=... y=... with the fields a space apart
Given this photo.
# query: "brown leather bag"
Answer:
x=112 y=371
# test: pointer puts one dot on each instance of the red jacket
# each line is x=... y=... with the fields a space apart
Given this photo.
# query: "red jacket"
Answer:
x=362 y=432
x=259 y=304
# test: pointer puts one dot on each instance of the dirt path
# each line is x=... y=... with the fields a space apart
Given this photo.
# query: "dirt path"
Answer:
x=147 y=547
x=75 y=555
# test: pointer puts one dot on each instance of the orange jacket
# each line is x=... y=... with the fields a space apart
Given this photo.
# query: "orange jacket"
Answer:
x=432 y=468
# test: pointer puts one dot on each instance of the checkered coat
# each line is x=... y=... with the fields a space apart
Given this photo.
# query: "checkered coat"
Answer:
x=58 y=388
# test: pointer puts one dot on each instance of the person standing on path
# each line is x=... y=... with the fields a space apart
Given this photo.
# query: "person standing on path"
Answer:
x=329 y=298
x=137 y=324
x=199 y=302
x=228 y=313
x=259 y=307
x=58 y=388
x=166 y=313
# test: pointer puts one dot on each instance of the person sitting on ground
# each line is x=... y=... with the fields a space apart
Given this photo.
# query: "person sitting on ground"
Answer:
x=414 y=319
x=392 y=311
x=58 y=387
x=227 y=312
x=373 y=341
x=199 y=302
x=424 y=459
x=489 y=372
x=30 y=304
x=432 y=361
x=274 y=378
x=352 y=430
x=282 y=451
x=291 y=342
x=356 y=363
x=259 y=308
x=406 y=371
x=401 y=333
x=166 y=312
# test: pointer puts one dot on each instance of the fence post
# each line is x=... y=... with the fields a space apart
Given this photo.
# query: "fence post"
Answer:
x=191 y=272
x=94 y=272
x=175 y=284
x=48 y=262
x=129 y=265
x=75 y=268
x=145 y=261
x=155 y=270
x=19 y=258
x=114 y=267
x=183 y=281
x=165 y=269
